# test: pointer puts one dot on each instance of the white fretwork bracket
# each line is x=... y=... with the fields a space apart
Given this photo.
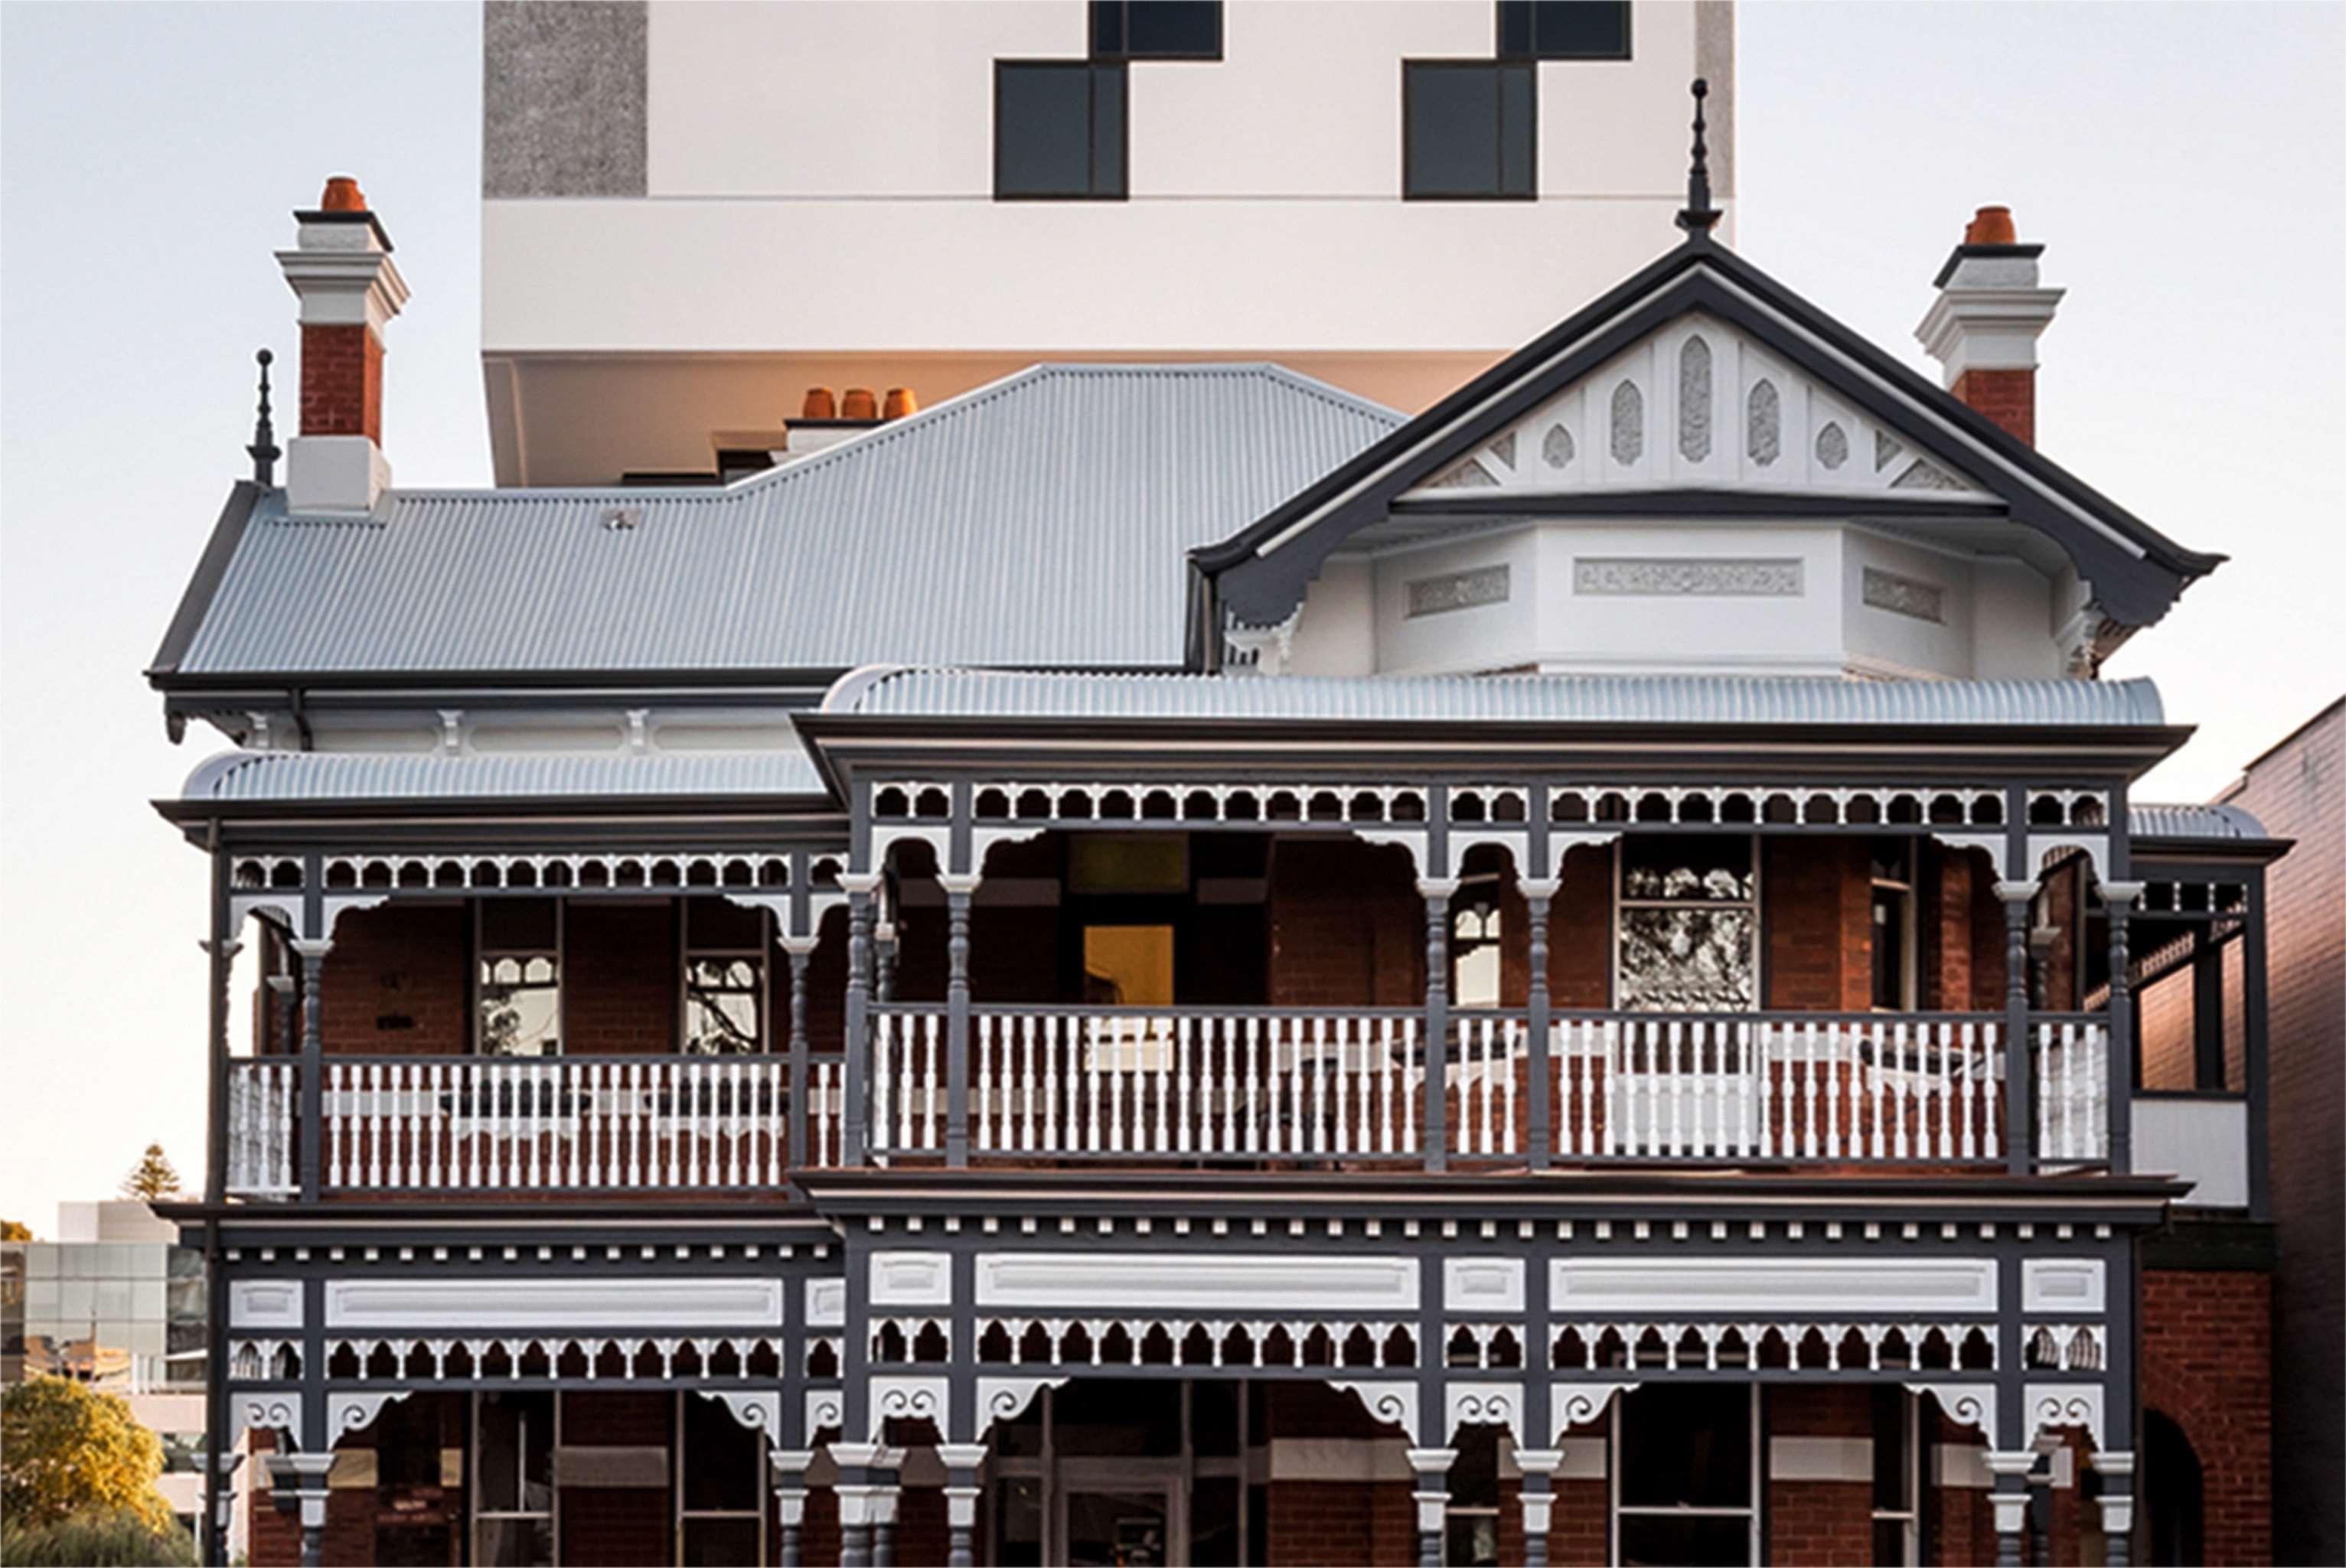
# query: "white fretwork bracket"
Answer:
x=909 y=1400
x=1483 y=1404
x=266 y=1413
x=759 y=1411
x=1576 y=1404
x=824 y=1408
x=1394 y=1402
x=1007 y=1399
x=1966 y=1404
x=2052 y=1406
x=354 y=1412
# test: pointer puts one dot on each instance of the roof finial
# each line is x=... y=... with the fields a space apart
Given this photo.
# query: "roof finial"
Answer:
x=264 y=434
x=1698 y=215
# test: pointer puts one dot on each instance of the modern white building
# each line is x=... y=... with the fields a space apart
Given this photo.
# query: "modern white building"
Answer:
x=932 y=194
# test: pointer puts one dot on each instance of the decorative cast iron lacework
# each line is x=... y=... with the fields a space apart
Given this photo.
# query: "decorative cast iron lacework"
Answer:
x=1687 y=932
x=1628 y=423
x=1694 y=401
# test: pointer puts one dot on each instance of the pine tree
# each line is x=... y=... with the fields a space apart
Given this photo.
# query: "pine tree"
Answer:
x=152 y=1177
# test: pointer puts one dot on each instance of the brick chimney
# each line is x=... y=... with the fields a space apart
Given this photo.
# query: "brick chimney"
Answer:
x=341 y=270
x=1983 y=327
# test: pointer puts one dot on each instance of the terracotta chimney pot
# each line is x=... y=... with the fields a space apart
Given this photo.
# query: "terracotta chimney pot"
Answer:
x=859 y=403
x=1992 y=226
x=343 y=195
x=901 y=402
x=819 y=404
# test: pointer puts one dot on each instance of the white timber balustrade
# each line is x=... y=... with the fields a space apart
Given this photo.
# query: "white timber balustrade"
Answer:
x=2073 y=1110
x=489 y=1124
x=1247 y=1084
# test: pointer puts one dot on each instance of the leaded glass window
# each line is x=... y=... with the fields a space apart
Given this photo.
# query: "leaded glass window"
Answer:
x=1688 y=937
x=520 y=998
x=724 y=978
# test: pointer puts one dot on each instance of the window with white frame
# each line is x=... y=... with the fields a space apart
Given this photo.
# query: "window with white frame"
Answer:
x=1688 y=931
x=518 y=994
x=1686 y=1474
x=1893 y=924
x=724 y=971
x=513 y=1478
x=1897 y=1477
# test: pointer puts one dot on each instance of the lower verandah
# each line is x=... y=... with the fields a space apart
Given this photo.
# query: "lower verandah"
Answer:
x=1206 y=1472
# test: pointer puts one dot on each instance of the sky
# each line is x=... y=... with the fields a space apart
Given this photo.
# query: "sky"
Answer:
x=2180 y=162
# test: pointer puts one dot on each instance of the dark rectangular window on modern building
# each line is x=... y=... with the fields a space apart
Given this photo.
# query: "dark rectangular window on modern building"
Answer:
x=1468 y=130
x=1156 y=29
x=1564 y=29
x=1058 y=130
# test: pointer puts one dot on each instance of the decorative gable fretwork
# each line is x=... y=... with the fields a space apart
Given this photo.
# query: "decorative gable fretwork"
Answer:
x=1699 y=404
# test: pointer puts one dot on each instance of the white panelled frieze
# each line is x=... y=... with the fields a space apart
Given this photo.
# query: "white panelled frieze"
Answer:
x=1675 y=1287
x=912 y=1279
x=1482 y=1283
x=572 y=1303
x=1204 y=1280
x=2064 y=1284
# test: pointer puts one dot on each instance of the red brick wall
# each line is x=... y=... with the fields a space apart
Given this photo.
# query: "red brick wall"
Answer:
x=2007 y=397
x=620 y=986
x=2206 y=1364
x=1347 y=927
x=614 y=1527
x=1964 y=942
x=1816 y=902
x=342 y=381
x=1819 y=1523
x=1962 y=1520
x=1332 y=1523
x=394 y=982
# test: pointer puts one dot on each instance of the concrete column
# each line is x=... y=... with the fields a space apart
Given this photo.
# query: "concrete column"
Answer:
x=2010 y=1468
x=2019 y=1050
x=2117 y=1466
x=789 y=1468
x=1433 y=1467
x=1539 y=1467
x=1538 y=894
x=962 y=1461
x=298 y=1487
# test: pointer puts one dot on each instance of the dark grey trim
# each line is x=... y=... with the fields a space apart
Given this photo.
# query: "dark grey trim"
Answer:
x=196 y=603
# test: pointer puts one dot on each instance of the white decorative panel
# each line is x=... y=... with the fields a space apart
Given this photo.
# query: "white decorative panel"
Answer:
x=1482 y=1283
x=1819 y=1458
x=1677 y=1288
x=264 y=1304
x=566 y=1303
x=1175 y=1281
x=826 y=1303
x=2064 y=1284
x=909 y=1400
x=912 y=1279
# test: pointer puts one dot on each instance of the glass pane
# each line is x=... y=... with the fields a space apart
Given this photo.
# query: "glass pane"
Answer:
x=1042 y=129
x=1214 y=1419
x=1125 y=1529
x=721 y=1460
x=514 y=1453
x=1889 y=947
x=1687 y=959
x=722 y=997
x=1214 y=1521
x=1696 y=869
x=515 y=1543
x=1472 y=1541
x=1519 y=116
x=521 y=1008
x=1889 y=1541
x=720 y=1541
x=1018 y=1522
x=1128 y=965
x=1684 y=1543
x=1108 y=130
x=719 y=922
x=1686 y=1445
x=1113 y=1419
x=1890 y=1459
x=1453 y=129
x=1580 y=29
x=1173 y=29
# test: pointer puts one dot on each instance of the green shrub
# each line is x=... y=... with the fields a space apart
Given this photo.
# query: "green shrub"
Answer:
x=99 y=1538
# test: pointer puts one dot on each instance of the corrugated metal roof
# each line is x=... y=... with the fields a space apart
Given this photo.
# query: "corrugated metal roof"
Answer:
x=366 y=776
x=2146 y=821
x=1044 y=519
x=1600 y=699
